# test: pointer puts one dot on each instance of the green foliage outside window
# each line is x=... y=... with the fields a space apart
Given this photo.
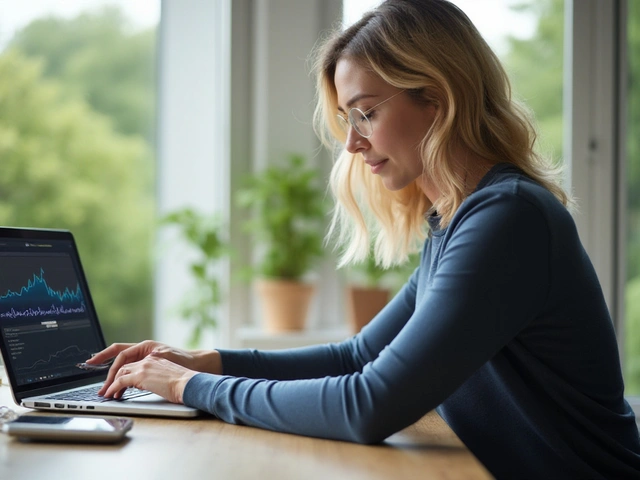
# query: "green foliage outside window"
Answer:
x=535 y=68
x=94 y=57
x=76 y=121
x=632 y=293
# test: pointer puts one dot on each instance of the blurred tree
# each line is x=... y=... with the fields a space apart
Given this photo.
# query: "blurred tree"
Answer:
x=633 y=104
x=541 y=88
x=99 y=57
x=632 y=337
x=98 y=64
x=65 y=167
x=632 y=294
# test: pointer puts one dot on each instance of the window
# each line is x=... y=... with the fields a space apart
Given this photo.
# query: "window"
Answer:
x=526 y=35
x=632 y=237
x=77 y=117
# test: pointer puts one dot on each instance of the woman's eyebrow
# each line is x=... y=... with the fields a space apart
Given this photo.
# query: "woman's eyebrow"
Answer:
x=357 y=98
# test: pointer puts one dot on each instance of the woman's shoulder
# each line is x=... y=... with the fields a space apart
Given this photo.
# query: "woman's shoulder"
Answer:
x=507 y=182
x=507 y=195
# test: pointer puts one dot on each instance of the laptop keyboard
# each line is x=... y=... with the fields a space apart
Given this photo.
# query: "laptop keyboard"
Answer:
x=90 y=394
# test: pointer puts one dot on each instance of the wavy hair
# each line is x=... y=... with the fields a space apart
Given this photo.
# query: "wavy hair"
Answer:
x=431 y=49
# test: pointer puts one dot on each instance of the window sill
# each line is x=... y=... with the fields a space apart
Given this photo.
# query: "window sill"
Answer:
x=252 y=337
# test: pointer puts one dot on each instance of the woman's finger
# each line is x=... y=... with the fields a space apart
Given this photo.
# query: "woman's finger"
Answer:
x=132 y=354
x=120 y=383
x=108 y=353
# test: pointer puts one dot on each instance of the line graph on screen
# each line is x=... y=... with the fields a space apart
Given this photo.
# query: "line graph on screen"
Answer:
x=37 y=299
x=71 y=353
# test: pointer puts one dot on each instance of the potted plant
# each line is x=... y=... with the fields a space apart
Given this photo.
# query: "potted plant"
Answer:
x=287 y=211
x=204 y=234
x=370 y=287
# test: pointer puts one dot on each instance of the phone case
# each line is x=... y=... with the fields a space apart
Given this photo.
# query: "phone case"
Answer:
x=70 y=429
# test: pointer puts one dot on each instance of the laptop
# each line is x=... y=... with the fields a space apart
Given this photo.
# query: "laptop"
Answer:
x=49 y=327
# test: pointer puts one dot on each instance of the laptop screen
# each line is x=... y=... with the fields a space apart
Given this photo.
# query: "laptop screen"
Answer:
x=47 y=320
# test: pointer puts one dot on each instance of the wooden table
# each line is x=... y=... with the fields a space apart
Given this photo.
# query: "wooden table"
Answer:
x=206 y=448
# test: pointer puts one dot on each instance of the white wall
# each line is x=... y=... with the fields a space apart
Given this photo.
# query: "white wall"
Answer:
x=193 y=139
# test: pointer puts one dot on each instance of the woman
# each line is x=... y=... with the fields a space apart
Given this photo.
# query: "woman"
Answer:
x=503 y=327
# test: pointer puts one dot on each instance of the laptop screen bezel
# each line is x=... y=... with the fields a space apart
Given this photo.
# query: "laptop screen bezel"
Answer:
x=83 y=377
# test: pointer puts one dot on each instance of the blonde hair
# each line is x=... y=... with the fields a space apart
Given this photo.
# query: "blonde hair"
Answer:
x=431 y=49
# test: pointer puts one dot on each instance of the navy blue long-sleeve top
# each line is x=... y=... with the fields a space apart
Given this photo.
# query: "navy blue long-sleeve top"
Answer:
x=503 y=328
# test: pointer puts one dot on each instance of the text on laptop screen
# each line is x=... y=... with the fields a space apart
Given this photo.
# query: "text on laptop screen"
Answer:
x=46 y=321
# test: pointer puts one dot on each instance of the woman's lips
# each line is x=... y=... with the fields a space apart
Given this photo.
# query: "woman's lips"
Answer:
x=376 y=165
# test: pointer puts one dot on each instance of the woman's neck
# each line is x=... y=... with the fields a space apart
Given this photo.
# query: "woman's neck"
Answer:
x=470 y=168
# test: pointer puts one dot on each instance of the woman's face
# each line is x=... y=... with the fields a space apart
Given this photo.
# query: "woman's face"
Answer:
x=399 y=125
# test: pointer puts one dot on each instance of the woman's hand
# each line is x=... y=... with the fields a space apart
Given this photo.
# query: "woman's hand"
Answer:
x=153 y=373
x=128 y=353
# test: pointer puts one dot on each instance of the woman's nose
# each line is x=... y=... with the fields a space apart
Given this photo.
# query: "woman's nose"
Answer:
x=356 y=143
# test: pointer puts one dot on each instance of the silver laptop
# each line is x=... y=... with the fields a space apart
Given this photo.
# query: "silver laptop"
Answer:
x=49 y=327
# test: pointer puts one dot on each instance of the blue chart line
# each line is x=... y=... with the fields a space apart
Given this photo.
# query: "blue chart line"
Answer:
x=37 y=299
x=70 y=352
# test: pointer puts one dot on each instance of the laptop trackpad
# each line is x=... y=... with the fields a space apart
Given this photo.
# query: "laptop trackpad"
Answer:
x=147 y=399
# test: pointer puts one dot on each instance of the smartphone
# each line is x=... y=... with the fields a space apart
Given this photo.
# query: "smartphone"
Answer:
x=68 y=428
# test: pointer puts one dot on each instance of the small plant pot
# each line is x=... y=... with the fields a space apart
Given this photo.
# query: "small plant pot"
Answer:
x=285 y=304
x=363 y=304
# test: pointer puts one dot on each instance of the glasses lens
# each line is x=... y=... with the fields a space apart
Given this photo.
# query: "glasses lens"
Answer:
x=360 y=122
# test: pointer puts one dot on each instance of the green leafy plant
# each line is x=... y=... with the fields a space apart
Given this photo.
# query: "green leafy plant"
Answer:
x=287 y=213
x=204 y=234
x=369 y=274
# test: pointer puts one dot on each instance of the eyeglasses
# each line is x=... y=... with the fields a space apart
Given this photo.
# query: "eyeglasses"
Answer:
x=359 y=120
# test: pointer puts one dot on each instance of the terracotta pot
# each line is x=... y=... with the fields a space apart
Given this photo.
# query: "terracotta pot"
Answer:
x=363 y=304
x=285 y=304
